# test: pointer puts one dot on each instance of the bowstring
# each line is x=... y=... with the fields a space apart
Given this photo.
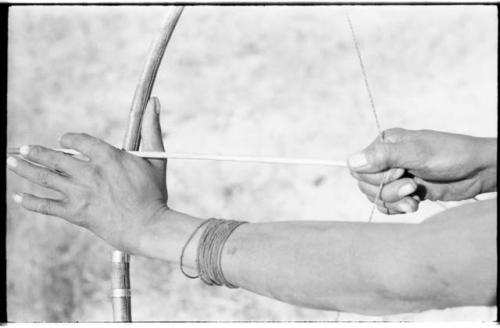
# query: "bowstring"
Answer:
x=373 y=109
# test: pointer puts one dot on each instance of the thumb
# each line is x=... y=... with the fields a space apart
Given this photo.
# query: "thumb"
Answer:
x=151 y=130
x=381 y=156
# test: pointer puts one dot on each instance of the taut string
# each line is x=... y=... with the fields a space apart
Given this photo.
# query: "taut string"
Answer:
x=374 y=110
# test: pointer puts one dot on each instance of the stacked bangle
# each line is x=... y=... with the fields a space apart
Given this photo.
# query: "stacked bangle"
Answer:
x=209 y=250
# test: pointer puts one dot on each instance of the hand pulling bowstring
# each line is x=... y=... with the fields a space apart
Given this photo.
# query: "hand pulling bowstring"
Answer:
x=374 y=111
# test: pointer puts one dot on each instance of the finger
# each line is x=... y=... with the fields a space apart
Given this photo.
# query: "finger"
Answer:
x=391 y=192
x=151 y=131
x=377 y=178
x=90 y=146
x=405 y=205
x=40 y=205
x=54 y=160
x=396 y=150
x=443 y=191
x=387 y=211
x=37 y=174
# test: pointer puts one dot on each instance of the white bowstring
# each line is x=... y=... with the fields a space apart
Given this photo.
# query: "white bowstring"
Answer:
x=374 y=111
x=365 y=77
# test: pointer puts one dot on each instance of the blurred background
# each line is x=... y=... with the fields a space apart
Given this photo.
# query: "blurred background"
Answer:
x=274 y=80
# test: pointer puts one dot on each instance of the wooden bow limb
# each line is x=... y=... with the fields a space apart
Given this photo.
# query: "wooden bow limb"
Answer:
x=120 y=274
x=145 y=85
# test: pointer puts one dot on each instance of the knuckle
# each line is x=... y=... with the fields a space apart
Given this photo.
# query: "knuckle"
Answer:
x=35 y=151
x=56 y=164
x=393 y=134
x=65 y=200
x=42 y=177
x=66 y=138
x=44 y=207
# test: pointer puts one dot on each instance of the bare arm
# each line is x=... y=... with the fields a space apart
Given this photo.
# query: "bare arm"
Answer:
x=446 y=261
x=449 y=260
x=371 y=268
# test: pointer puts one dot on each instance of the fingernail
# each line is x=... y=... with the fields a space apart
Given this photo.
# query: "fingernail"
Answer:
x=406 y=190
x=17 y=198
x=404 y=207
x=24 y=150
x=12 y=162
x=357 y=160
x=395 y=174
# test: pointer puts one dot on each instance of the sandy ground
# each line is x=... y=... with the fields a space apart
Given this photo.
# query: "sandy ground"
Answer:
x=280 y=81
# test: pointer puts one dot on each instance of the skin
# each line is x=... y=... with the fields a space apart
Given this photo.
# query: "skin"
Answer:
x=449 y=260
x=424 y=164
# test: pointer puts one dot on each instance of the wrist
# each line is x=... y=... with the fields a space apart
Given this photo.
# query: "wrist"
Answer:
x=165 y=235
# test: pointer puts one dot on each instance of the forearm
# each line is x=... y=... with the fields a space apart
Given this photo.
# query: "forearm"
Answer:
x=355 y=267
x=341 y=266
x=364 y=268
x=325 y=265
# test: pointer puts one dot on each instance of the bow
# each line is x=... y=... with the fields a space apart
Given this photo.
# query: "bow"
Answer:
x=120 y=274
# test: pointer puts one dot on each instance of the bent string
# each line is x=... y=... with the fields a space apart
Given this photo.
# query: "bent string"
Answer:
x=374 y=110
